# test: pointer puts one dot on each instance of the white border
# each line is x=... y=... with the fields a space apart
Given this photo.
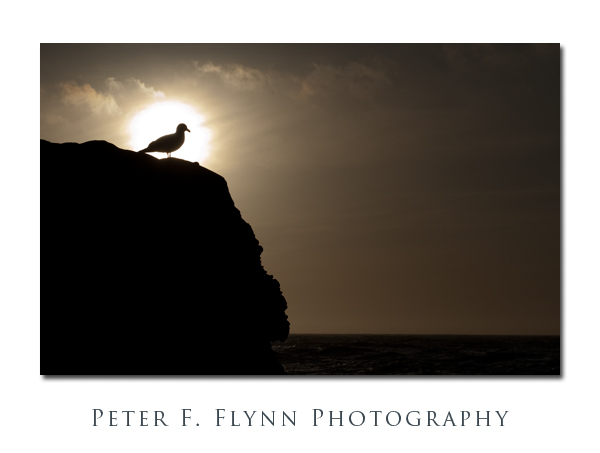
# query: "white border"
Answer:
x=552 y=414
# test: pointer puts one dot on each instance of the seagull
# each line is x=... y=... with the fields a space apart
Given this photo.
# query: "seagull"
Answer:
x=168 y=143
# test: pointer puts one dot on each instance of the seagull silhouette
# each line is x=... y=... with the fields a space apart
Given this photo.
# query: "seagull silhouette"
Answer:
x=168 y=143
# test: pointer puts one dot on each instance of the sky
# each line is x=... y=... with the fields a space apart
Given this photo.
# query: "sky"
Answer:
x=395 y=188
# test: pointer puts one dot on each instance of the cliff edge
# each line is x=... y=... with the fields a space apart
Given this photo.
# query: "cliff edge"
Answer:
x=149 y=268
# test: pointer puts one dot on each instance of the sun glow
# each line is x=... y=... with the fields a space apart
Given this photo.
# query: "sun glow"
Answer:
x=161 y=119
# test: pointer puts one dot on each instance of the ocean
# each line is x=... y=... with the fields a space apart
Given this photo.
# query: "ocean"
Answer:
x=308 y=354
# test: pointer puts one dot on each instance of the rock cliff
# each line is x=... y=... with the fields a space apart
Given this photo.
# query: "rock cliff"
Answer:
x=149 y=268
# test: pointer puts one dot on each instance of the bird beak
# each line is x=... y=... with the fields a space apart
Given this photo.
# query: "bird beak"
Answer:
x=188 y=130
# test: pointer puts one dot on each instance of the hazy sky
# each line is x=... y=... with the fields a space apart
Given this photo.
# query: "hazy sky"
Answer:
x=394 y=188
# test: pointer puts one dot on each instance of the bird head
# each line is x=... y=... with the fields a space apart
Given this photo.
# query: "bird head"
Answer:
x=182 y=128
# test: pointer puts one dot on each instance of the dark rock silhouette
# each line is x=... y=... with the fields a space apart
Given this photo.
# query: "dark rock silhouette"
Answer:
x=148 y=268
x=168 y=143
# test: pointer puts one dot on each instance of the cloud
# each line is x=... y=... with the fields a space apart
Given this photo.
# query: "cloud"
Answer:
x=236 y=76
x=85 y=95
x=150 y=91
x=112 y=84
x=117 y=96
x=54 y=118
x=355 y=79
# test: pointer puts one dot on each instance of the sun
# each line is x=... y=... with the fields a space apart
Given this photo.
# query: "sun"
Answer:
x=161 y=119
